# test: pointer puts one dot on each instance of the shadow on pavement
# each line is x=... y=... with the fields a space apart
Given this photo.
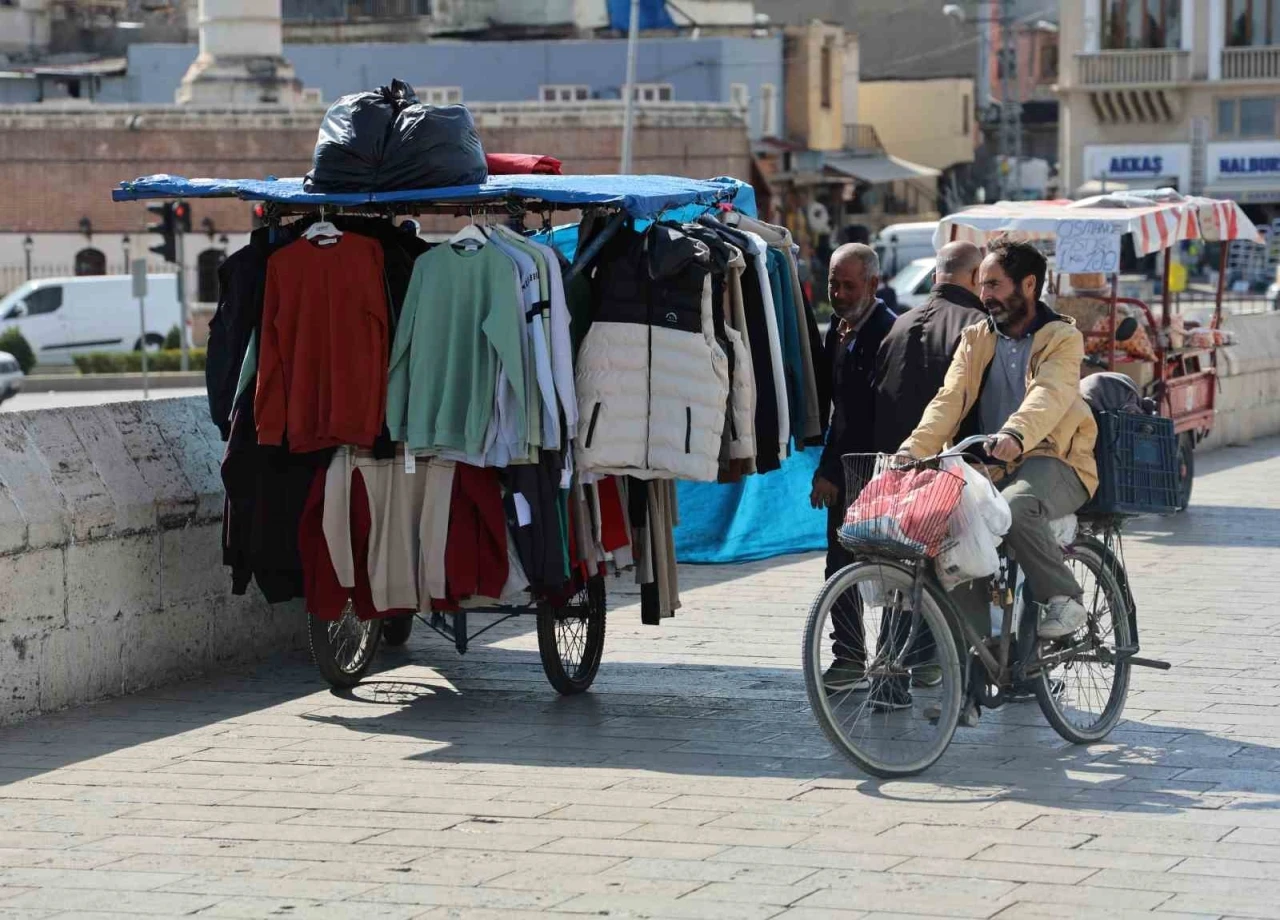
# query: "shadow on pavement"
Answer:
x=1211 y=525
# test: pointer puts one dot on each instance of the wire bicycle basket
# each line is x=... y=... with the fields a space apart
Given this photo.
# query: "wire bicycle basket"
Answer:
x=897 y=509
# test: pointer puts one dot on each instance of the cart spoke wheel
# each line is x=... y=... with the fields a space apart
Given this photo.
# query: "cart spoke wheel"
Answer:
x=571 y=639
x=343 y=648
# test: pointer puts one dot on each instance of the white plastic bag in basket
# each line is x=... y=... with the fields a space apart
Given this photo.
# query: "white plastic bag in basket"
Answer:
x=977 y=527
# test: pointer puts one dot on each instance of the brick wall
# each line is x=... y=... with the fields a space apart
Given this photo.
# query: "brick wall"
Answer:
x=61 y=166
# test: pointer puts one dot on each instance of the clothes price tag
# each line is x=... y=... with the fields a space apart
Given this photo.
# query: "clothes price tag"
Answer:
x=1087 y=246
x=410 y=463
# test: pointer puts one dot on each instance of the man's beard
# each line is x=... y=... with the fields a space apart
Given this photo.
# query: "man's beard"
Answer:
x=854 y=315
x=1007 y=313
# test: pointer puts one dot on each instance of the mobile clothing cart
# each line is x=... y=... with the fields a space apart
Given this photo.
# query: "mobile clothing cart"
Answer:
x=1173 y=363
x=570 y=627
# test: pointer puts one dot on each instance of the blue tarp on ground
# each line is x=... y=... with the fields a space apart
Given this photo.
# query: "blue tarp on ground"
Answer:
x=640 y=196
x=760 y=517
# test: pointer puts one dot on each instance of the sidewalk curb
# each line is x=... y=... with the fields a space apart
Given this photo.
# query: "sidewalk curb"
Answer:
x=82 y=383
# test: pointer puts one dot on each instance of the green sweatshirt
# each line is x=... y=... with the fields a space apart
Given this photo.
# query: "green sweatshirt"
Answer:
x=461 y=319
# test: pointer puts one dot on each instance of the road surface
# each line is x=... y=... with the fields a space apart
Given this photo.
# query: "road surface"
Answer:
x=691 y=782
x=48 y=400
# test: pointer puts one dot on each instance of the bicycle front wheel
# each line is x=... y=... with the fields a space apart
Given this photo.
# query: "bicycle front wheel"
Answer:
x=1082 y=695
x=882 y=671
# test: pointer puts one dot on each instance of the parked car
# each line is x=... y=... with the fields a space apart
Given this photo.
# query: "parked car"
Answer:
x=901 y=244
x=11 y=376
x=913 y=283
x=62 y=317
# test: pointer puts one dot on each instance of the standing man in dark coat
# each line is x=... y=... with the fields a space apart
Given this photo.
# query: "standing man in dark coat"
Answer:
x=916 y=353
x=859 y=326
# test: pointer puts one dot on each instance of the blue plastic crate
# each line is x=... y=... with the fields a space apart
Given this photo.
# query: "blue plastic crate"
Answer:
x=1137 y=465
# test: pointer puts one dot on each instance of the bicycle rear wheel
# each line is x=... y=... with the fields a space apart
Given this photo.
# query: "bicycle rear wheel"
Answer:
x=863 y=643
x=1083 y=696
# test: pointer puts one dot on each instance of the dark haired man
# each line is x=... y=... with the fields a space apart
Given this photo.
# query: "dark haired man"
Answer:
x=1016 y=377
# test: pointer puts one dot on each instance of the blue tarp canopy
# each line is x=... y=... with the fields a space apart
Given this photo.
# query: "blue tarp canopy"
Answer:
x=639 y=196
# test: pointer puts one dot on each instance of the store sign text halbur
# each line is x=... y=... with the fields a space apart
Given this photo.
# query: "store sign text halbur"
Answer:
x=1234 y=166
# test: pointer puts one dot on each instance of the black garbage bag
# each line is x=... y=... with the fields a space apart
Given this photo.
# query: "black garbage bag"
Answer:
x=386 y=140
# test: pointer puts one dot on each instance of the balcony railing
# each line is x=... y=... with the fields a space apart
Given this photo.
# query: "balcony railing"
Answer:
x=1262 y=63
x=862 y=138
x=1153 y=67
x=350 y=11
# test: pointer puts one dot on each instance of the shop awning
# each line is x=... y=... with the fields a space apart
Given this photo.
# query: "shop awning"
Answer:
x=879 y=169
x=639 y=196
x=1155 y=219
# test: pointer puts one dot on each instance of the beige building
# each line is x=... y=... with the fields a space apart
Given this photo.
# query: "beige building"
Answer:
x=1188 y=98
x=939 y=132
x=815 y=56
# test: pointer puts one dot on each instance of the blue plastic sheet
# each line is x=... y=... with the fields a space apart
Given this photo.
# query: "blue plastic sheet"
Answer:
x=653 y=15
x=761 y=517
x=640 y=196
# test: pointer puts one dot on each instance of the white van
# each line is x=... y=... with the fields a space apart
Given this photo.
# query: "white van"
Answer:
x=898 y=245
x=61 y=317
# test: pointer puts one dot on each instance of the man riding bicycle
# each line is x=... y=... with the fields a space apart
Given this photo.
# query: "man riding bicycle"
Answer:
x=1016 y=378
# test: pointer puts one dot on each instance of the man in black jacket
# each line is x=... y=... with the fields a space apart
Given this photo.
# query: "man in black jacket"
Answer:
x=916 y=353
x=852 y=343
x=859 y=326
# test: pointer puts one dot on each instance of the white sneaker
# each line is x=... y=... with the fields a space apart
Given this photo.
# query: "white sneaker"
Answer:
x=1062 y=616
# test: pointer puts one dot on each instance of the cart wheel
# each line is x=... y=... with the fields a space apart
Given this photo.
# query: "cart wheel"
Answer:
x=571 y=639
x=343 y=648
x=396 y=630
x=1186 y=469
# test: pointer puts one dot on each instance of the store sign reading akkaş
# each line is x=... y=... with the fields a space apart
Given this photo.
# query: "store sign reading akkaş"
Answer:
x=1146 y=166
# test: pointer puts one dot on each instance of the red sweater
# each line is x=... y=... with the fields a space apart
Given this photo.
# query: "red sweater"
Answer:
x=322 y=357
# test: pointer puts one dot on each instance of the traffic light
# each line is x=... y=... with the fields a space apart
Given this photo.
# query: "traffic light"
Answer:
x=167 y=227
x=182 y=216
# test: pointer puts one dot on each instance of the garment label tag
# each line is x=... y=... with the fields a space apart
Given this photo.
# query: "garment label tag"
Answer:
x=410 y=463
x=524 y=514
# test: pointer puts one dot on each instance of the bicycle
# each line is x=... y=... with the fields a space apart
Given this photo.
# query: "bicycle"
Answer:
x=890 y=602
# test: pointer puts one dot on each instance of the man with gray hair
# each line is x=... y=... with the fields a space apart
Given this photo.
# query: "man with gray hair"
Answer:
x=917 y=351
x=860 y=323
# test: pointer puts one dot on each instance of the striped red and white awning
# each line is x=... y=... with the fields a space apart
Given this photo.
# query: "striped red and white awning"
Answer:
x=1156 y=220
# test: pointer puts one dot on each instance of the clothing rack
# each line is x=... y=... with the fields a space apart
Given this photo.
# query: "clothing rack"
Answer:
x=570 y=628
x=511 y=207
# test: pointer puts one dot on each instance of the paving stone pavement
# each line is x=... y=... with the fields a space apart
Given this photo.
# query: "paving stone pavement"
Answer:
x=691 y=783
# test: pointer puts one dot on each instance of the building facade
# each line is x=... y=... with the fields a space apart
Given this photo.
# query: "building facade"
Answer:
x=746 y=72
x=57 y=217
x=1188 y=97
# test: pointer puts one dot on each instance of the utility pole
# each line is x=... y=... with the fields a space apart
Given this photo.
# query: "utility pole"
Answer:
x=1010 y=105
x=629 y=91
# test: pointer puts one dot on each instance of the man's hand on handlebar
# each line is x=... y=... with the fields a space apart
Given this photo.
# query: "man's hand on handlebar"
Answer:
x=1003 y=447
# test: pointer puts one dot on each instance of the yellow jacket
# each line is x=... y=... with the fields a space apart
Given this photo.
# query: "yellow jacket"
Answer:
x=1053 y=420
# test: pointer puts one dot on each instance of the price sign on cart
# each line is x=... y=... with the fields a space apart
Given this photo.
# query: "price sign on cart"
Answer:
x=1087 y=246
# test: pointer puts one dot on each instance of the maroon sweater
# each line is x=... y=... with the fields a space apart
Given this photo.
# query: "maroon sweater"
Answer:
x=322 y=355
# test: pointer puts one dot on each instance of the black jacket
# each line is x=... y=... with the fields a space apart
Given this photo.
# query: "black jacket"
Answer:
x=242 y=281
x=914 y=358
x=853 y=372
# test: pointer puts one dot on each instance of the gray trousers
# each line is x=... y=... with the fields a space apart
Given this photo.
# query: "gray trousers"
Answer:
x=1043 y=490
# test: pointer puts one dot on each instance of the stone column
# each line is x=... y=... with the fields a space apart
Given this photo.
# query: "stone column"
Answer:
x=241 y=60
